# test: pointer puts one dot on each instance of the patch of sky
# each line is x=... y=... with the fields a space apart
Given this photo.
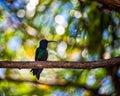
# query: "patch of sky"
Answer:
x=116 y=20
x=66 y=15
x=18 y=4
x=59 y=93
x=68 y=6
x=2 y=72
x=93 y=57
x=14 y=20
x=73 y=30
x=4 y=24
x=3 y=4
x=13 y=17
x=79 y=92
x=87 y=9
x=106 y=81
x=106 y=87
x=41 y=18
x=45 y=19
x=55 y=6
x=105 y=34
x=14 y=43
x=118 y=32
x=73 y=27
x=118 y=72
x=65 y=8
x=37 y=20
x=91 y=80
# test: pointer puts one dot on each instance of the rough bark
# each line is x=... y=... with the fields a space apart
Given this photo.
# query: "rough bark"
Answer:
x=60 y=64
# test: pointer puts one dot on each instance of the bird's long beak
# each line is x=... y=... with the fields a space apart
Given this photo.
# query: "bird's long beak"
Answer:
x=52 y=41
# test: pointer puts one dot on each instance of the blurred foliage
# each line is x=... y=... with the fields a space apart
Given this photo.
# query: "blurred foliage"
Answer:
x=85 y=31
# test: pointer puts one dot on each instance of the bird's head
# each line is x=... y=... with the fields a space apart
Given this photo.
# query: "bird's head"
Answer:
x=44 y=43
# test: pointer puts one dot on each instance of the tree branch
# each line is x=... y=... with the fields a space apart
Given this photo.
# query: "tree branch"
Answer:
x=60 y=64
x=111 y=4
x=56 y=83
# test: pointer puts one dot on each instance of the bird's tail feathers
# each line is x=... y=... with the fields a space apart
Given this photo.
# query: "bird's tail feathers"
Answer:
x=36 y=72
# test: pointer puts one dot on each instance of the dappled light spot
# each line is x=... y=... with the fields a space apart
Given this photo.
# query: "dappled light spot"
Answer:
x=29 y=42
x=61 y=24
x=77 y=14
x=29 y=53
x=74 y=2
x=61 y=49
x=21 y=13
x=41 y=8
x=31 y=31
x=50 y=76
x=106 y=55
x=30 y=7
x=25 y=72
x=21 y=55
x=85 y=53
x=34 y=2
x=44 y=87
x=60 y=20
x=78 y=38
x=76 y=56
x=60 y=29
x=71 y=41
x=72 y=12
x=85 y=15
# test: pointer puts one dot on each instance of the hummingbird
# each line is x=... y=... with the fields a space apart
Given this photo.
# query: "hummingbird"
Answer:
x=41 y=54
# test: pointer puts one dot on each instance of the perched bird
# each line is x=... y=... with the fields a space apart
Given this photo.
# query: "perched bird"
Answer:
x=41 y=54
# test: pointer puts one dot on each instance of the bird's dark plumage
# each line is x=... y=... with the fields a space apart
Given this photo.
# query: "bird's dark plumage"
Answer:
x=41 y=54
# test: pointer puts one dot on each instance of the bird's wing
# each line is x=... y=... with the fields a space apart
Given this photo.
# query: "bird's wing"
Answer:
x=36 y=54
x=39 y=54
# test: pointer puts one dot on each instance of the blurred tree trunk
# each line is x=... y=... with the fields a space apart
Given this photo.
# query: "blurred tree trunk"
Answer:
x=112 y=71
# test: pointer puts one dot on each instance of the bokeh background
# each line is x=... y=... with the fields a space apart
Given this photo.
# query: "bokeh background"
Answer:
x=86 y=31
